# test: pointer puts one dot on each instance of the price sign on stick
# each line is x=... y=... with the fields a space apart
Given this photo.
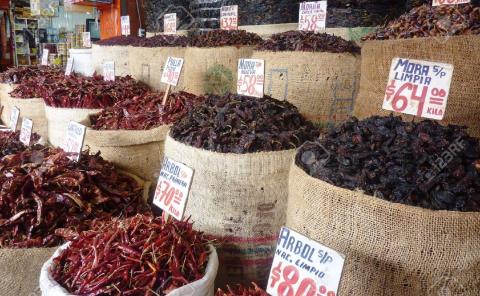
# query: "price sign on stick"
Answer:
x=87 y=41
x=109 y=71
x=312 y=16
x=229 y=17
x=170 y=23
x=173 y=187
x=125 y=24
x=172 y=70
x=302 y=266
x=45 y=57
x=74 y=139
x=251 y=77
x=14 y=115
x=449 y=2
x=26 y=131
x=418 y=88
x=69 y=67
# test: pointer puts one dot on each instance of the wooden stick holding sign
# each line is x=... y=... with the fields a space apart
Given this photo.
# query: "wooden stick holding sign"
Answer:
x=74 y=140
x=171 y=74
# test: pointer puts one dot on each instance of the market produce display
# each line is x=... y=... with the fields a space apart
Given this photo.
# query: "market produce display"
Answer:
x=16 y=75
x=240 y=290
x=46 y=196
x=155 y=41
x=240 y=124
x=432 y=21
x=421 y=164
x=138 y=256
x=218 y=38
x=308 y=41
x=145 y=112
x=10 y=143
x=119 y=40
x=36 y=83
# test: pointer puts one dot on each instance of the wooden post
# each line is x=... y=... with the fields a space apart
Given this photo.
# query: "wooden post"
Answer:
x=167 y=92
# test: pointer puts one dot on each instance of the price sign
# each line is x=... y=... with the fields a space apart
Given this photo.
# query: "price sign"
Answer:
x=87 y=42
x=304 y=267
x=251 y=77
x=14 y=115
x=170 y=23
x=125 y=24
x=172 y=70
x=312 y=16
x=449 y=2
x=69 y=67
x=109 y=71
x=45 y=57
x=74 y=140
x=26 y=131
x=418 y=88
x=173 y=187
x=229 y=17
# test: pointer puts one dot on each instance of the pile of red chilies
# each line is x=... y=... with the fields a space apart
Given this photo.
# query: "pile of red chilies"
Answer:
x=17 y=75
x=240 y=290
x=145 y=112
x=141 y=255
x=10 y=143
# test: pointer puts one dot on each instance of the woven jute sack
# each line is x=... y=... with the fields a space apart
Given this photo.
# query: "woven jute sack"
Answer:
x=198 y=61
x=321 y=85
x=5 y=90
x=463 y=52
x=240 y=200
x=58 y=119
x=117 y=54
x=391 y=249
x=32 y=108
x=137 y=151
x=146 y=64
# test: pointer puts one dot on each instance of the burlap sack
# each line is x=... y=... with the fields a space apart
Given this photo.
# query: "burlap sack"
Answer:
x=199 y=60
x=5 y=90
x=139 y=152
x=146 y=64
x=58 y=119
x=391 y=249
x=33 y=108
x=463 y=52
x=322 y=85
x=117 y=54
x=240 y=200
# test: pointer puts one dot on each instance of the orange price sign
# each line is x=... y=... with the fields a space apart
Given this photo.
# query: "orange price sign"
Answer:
x=312 y=16
x=251 y=77
x=229 y=17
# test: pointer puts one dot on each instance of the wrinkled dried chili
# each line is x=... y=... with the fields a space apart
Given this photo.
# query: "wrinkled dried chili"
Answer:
x=240 y=290
x=37 y=85
x=10 y=143
x=145 y=112
x=17 y=75
x=137 y=256
x=155 y=41
x=217 y=38
x=44 y=194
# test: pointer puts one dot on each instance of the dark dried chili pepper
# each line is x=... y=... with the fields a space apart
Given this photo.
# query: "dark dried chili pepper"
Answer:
x=217 y=38
x=240 y=290
x=19 y=74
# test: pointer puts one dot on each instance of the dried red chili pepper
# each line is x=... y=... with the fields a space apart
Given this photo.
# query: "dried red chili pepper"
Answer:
x=141 y=255
x=17 y=75
x=10 y=143
x=216 y=38
x=240 y=290
x=37 y=85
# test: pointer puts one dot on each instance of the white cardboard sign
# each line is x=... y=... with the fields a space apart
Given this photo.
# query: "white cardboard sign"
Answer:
x=173 y=187
x=69 y=67
x=45 y=57
x=418 y=88
x=109 y=71
x=229 y=17
x=125 y=24
x=74 y=139
x=312 y=16
x=87 y=41
x=14 y=115
x=251 y=77
x=26 y=131
x=449 y=2
x=170 y=23
x=304 y=266
x=172 y=70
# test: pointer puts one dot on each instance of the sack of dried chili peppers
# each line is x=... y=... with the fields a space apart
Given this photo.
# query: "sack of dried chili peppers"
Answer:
x=132 y=133
x=240 y=290
x=240 y=149
x=45 y=196
x=141 y=255
x=116 y=53
x=444 y=34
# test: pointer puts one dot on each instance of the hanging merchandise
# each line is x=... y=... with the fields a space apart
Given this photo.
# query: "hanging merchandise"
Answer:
x=318 y=73
x=399 y=199
x=439 y=48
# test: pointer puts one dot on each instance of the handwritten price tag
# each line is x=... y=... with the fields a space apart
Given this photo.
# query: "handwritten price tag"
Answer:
x=170 y=23
x=418 y=88
x=449 y=2
x=109 y=71
x=14 y=115
x=173 y=187
x=171 y=72
x=125 y=24
x=26 y=131
x=87 y=41
x=312 y=16
x=302 y=266
x=251 y=77
x=69 y=67
x=45 y=57
x=74 y=139
x=229 y=17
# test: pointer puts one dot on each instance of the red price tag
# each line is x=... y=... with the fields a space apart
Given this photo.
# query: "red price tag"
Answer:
x=312 y=16
x=229 y=17
x=251 y=77
x=449 y=2
x=418 y=88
